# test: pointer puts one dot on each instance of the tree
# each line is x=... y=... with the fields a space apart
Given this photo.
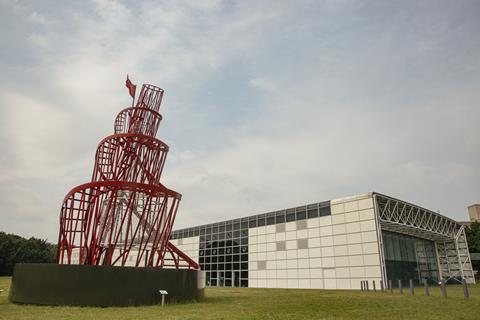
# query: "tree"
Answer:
x=15 y=249
x=473 y=237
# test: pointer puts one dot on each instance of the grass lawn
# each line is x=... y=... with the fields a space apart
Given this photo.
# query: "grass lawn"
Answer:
x=273 y=304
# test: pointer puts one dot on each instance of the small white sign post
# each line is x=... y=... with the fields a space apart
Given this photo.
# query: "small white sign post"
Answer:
x=163 y=293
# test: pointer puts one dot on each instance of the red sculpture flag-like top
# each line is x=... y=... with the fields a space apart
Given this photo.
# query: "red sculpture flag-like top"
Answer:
x=131 y=87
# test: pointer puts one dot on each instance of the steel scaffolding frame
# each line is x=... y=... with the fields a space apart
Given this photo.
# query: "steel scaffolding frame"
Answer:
x=448 y=235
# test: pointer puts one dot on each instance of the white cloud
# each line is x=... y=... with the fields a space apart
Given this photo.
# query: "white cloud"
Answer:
x=263 y=84
x=38 y=18
x=32 y=135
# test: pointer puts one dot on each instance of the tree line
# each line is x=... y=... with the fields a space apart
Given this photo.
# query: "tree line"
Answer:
x=15 y=249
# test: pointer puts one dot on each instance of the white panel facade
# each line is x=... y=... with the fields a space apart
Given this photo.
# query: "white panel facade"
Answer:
x=329 y=252
x=190 y=245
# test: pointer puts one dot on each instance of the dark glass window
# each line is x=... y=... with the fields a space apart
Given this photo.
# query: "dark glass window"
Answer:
x=312 y=213
x=280 y=217
x=236 y=226
x=290 y=217
x=270 y=220
x=301 y=215
x=221 y=228
x=324 y=204
x=229 y=227
x=252 y=222
x=244 y=224
x=408 y=257
x=261 y=221
x=325 y=211
x=215 y=229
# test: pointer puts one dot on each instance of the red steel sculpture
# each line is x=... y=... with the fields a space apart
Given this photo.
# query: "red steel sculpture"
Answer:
x=124 y=216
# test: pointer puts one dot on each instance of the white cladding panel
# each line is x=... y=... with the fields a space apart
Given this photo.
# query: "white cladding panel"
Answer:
x=190 y=246
x=331 y=252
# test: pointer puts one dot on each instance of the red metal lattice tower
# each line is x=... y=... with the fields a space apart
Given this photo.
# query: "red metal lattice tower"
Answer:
x=124 y=216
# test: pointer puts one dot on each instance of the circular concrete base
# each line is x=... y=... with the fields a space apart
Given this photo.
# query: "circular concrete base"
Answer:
x=83 y=285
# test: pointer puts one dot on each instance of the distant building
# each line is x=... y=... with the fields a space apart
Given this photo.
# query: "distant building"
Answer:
x=332 y=244
x=474 y=212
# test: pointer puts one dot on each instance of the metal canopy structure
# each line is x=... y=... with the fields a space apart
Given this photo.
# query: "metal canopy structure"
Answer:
x=125 y=214
x=449 y=236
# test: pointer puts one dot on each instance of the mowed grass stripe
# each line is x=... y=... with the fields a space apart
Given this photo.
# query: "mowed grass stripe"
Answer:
x=249 y=303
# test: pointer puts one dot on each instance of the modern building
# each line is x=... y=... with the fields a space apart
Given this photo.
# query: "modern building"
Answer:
x=474 y=212
x=333 y=244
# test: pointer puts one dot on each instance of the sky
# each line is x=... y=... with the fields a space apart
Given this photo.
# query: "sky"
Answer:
x=268 y=104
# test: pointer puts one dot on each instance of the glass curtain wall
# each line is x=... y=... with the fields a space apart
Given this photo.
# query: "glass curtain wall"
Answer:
x=408 y=257
x=224 y=253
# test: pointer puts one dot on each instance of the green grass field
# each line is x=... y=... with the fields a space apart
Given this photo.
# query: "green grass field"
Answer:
x=273 y=304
